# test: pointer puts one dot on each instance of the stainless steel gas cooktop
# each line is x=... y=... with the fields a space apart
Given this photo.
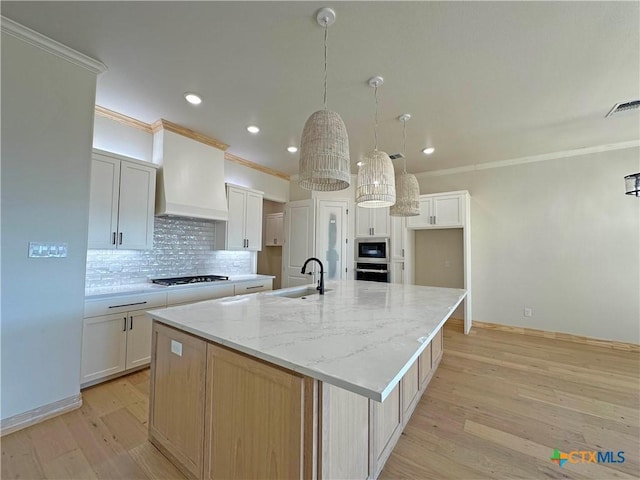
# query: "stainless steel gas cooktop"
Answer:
x=191 y=279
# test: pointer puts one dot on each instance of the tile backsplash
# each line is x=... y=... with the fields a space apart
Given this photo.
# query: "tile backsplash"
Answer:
x=180 y=247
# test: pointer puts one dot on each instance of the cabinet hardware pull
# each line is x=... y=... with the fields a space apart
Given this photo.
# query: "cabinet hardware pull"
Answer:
x=131 y=322
x=403 y=252
x=257 y=286
x=127 y=304
x=124 y=325
x=120 y=238
x=113 y=240
x=275 y=240
x=247 y=243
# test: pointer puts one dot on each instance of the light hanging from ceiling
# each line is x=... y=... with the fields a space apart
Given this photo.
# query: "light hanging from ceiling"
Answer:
x=407 y=189
x=632 y=184
x=324 y=147
x=376 y=183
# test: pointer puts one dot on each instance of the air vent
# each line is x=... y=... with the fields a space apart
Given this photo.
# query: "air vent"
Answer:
x=394 y=156
x=624 y=107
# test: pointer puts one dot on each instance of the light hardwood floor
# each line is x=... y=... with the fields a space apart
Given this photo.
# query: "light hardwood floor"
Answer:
x=496 y=408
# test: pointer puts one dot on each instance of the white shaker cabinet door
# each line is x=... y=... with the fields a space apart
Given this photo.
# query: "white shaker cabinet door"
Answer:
x=137 y=203
x=103 y=203
x=253 y=221
x=424 y=219
x=138 y=339
x=380 y=222
x=104 y=346
x=448 y=210
x=235 y=225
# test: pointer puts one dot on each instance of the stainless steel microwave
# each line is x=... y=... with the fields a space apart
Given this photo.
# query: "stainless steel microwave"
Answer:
x=372 y=250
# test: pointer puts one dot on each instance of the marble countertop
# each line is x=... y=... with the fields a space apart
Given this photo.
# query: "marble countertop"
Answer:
x=360 y=336
x=114 y=291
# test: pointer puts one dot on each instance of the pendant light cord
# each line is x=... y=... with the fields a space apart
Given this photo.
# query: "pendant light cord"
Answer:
x=326 y=35
x=375 y=124
x=404 y=146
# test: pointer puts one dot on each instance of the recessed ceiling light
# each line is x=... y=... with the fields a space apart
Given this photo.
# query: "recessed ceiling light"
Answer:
x=193 y=98
x=428 y=151
x=252 y=129
x=292 y=149
x=359 y=164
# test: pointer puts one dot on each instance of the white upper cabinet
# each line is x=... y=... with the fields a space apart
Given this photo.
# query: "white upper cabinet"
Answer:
x=121 y=203
x=372 y=222
x=445 y=210
x=274 y=229
x=243 y=231
x=398 y=238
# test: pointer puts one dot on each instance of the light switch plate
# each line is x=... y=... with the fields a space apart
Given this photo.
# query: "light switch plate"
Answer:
x=47 y=250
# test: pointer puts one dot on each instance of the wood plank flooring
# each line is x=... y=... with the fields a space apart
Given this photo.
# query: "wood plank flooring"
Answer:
x=496 y=408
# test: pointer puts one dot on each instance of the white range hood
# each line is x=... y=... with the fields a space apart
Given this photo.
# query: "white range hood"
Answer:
x=190 y=180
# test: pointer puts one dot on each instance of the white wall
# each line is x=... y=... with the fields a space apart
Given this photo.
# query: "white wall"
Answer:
x=47 y=122
x=116 y=137
x=557 y=236
x=275 y=188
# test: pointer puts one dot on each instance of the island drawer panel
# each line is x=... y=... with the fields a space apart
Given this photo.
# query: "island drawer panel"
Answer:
x=197 y=294
x=176 y=415
x=124 y=303
x=254 y=417
x=436 y=346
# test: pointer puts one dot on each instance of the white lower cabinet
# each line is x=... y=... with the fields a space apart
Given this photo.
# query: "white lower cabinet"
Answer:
x=119 y=341
x=397 y=272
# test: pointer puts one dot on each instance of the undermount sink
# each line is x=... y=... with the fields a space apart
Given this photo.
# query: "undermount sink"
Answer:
x=298 y=293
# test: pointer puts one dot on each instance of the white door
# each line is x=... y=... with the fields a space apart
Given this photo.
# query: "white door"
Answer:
x=235 y=226
x=299 y=226
x=135 y=211
x=253 y=219
x=138 y=339
x=103 y=202
x=331 y=237
x=397 y=272
x=104 y=345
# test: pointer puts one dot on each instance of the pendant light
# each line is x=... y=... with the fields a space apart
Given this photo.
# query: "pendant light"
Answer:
x=632 y=184
x=324 y=147
x=407 y=189
x=376 y=184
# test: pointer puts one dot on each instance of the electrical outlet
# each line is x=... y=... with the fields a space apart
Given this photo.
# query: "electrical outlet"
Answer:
x=447 y=264
x=528 y=312
x=176 y=347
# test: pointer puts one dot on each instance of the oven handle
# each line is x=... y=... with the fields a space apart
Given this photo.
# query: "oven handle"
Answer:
x=371 y=270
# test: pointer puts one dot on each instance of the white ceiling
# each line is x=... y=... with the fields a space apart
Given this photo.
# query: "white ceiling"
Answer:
x=484 y=81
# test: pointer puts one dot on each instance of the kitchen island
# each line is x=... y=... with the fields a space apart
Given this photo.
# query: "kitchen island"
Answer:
x=318 y=386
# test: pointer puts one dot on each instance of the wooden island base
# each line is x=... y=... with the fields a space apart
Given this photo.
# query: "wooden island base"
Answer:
x=220 y=414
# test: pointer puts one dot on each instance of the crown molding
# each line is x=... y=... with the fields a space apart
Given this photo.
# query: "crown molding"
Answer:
x=47 y=44
x=247 y=163
x=532 y=159
x=163 y=124
x=119 y=117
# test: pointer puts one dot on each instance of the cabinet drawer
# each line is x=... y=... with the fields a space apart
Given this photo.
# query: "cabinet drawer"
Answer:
x=253 y=287
x=124 y=303
x=197 y=294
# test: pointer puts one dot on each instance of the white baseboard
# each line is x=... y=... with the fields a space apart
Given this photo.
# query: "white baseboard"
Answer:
x=40 y=414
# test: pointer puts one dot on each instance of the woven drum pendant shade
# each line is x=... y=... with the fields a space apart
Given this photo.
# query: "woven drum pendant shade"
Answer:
x=324 y=153
x=407 y=196
x=376 y=184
